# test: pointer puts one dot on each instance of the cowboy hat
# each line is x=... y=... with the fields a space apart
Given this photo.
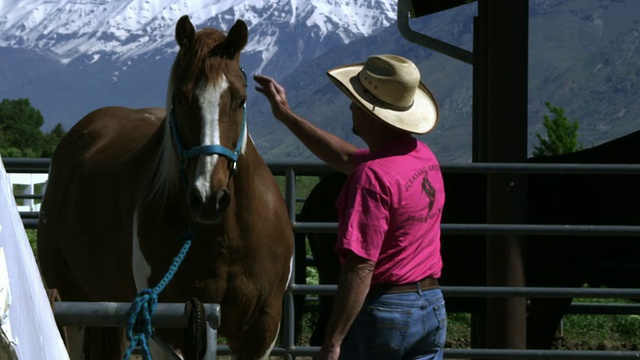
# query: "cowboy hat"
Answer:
x=389 y=87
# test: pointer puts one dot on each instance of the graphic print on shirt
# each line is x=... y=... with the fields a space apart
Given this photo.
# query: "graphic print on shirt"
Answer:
x=428 y=190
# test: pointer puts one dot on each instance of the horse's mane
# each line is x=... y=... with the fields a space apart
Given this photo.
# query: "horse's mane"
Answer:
x=167 y=174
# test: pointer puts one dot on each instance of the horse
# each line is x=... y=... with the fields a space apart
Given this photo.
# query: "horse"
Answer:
x=550 y=261
x=129 y=187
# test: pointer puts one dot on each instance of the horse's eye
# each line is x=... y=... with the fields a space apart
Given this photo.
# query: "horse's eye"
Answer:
x=242 y=102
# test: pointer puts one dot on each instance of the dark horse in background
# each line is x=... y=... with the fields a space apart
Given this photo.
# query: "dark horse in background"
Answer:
x=550 y=261
x=129 y=187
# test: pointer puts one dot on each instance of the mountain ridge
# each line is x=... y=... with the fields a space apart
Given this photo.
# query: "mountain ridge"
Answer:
x=62 y=46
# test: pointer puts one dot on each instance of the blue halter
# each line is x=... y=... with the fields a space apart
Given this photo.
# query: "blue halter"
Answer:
x=186 y=154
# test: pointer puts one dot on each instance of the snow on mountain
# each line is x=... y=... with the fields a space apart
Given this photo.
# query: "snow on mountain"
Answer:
x=71 y=56
x=122 y=29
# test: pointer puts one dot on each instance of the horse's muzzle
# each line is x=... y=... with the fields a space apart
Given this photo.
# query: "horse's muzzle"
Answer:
x=208 y=209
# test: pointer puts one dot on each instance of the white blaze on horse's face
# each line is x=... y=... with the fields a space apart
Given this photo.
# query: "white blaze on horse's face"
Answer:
x=209 y=98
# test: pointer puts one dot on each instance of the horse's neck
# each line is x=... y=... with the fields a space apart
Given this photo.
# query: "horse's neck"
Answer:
x=254 y=181
x=251 y=164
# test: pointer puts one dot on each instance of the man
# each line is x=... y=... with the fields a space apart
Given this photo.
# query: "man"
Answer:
x=388 y=304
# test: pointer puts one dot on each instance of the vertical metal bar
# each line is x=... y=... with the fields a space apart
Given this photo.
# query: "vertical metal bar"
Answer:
x=290 y=192
x=479 y=135
x=479 y=93
x=288 y=335
x=506 y=139
x=213 y=318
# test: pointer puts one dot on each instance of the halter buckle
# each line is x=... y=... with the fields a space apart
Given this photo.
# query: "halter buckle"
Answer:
x=233 y=167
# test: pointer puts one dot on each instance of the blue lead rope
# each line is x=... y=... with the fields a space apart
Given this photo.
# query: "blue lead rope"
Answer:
x=144 y=305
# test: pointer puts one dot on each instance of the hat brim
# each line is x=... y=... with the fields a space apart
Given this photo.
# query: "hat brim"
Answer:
x=421 y=118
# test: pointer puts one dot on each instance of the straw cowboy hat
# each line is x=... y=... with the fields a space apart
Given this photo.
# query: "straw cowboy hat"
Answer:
x=389 y=87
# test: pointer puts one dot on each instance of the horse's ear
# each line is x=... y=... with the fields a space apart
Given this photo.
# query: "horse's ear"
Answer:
x=185 y=32
x=237 y=38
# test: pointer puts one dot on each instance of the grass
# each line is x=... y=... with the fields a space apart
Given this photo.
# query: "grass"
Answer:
x=600 y=332
x=577 y=332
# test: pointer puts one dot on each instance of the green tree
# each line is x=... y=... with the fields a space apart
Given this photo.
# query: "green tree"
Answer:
x=52 y=139
x=20 y=134
x=562 y=134
x=20 y=124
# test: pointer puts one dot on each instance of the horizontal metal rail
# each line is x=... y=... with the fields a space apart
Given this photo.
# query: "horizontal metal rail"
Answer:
x=307 y=168
x=27 y=165
x=30 y=221
x=114 y=314
x=28 y=196
x=318 y=169
x=30 y=224
x=486 y=229
x=499 y=291
x=576 y=308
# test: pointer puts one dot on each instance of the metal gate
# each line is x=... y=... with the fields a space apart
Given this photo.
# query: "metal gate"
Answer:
x=289 y=350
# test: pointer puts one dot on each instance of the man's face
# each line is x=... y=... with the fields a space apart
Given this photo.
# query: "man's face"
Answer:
x=358 y=116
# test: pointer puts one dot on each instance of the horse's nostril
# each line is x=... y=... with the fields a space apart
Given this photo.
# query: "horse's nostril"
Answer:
x=195 y=200
x=223 y=200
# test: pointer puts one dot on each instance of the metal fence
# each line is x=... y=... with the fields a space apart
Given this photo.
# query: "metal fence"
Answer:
x=288 y=349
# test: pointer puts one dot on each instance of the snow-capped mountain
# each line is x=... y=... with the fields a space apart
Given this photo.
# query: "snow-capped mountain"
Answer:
x=72 y=56
x=125 y=29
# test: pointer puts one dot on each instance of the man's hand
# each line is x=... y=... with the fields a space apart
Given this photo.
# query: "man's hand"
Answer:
x=353 y=287
x=328 y=147
x=276 y=95
x=332 y=353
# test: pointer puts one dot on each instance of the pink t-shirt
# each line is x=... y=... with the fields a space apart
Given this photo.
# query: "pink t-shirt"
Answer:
x=389 y=212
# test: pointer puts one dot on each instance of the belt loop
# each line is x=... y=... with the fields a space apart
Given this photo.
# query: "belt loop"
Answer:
x=418 y=287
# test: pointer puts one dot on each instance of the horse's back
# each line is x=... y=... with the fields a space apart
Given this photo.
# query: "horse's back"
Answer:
x=107 y=137
x=92 y=178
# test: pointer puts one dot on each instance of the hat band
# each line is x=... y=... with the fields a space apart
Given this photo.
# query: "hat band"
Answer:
x=375 y=100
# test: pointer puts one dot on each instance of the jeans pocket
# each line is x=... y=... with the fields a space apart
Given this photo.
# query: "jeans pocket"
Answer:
x=441 y=324
x=388 y=328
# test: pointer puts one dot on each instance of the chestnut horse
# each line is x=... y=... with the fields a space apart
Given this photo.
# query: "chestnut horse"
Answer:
x=559 y=199
x=126 y=185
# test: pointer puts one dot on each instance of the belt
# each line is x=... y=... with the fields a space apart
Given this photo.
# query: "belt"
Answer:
x=424 y=284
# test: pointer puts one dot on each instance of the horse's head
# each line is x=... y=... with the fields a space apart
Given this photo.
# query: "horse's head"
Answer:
x=206 y=114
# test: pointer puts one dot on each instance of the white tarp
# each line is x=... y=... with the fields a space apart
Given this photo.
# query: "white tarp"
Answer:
x=25 y=311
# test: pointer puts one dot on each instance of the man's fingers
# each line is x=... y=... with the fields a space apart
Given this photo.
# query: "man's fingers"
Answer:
x=266 y=84
x=262 y=80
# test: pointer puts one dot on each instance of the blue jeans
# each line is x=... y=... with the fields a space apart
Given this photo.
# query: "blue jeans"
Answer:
x=410 y=325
